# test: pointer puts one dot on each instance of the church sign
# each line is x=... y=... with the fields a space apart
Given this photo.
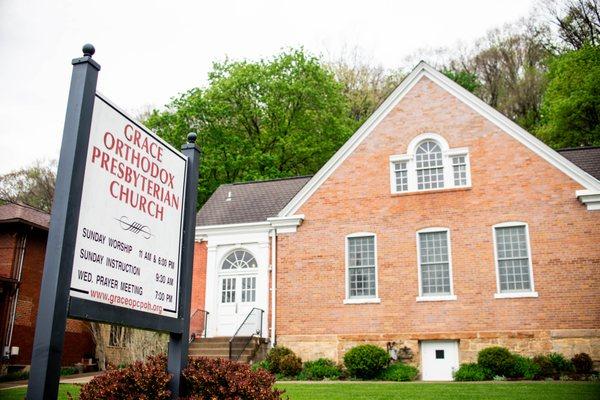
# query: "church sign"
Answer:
x=121 y=240
x=127 y=251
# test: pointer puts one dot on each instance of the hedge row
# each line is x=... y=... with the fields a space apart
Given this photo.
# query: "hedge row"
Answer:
x=361 y=362
x=500 y=363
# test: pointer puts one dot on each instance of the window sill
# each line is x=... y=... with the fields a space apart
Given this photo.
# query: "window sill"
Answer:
x=373 y=300
x=515 y=295
x=428 y=191
x=449 y=297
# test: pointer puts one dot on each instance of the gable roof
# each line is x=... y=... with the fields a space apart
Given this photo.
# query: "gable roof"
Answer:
x=24 y=214
x=494 y=116
x=586 y=158
x=245 y=202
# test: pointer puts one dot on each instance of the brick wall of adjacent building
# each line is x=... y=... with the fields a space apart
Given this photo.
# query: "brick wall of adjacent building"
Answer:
x=509 y=183
x=8 y=243
x=78 y=340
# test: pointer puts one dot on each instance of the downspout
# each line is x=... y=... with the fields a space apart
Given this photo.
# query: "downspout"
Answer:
x=13 y=313
x=273 y=283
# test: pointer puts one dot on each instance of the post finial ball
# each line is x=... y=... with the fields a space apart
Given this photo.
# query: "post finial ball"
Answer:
x=88 y=50
x=192 y=137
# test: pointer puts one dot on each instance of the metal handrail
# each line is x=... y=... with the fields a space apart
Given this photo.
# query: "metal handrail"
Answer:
x=204 y=323
x=248 y=339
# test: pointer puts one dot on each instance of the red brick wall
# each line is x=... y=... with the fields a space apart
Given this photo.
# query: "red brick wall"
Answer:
x=78 y=340
x=198 y=287
x=8 y=242
x=509 y=183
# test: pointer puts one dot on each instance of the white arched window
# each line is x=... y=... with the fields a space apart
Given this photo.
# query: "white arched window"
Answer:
x=239 y=259
x=430 y=164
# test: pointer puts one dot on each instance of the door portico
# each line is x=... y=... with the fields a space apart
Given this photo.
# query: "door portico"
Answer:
x=237 y=277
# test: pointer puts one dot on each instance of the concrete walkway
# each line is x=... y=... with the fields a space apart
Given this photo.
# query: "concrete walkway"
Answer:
x=71 y=379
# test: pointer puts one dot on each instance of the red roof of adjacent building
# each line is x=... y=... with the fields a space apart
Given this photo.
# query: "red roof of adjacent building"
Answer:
x=24 y=214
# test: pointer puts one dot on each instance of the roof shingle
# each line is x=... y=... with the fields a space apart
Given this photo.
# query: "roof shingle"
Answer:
x=31 y=216
x=238 y=203
x=586 y=158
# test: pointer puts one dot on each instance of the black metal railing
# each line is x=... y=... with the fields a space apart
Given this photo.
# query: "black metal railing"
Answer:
x=249 y=328
x=198 y=324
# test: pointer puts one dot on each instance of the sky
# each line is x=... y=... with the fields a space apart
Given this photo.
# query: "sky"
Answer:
x=150 y=51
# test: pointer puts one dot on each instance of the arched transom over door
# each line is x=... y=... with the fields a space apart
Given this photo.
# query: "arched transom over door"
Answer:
x=239 y=259
x=237 y=290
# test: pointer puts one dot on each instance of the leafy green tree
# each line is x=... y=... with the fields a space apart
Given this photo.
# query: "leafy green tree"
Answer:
x=466 y=79
x=571 y=103
x=274 y=118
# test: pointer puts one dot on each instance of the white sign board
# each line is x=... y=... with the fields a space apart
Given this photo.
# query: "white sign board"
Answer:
x=128 y=247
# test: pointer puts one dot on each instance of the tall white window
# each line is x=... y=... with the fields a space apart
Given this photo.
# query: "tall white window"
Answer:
x=401 y=176
x=429 y=164
x=361 y=268
x=435 y=264
x=430 y=169
x=513 y=260
x=459 y=168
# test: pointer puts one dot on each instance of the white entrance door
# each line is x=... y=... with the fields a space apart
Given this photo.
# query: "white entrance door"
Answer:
x=237 y=295
x=439 y=359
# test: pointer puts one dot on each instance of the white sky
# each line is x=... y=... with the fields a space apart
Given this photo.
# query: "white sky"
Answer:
x=152 y=50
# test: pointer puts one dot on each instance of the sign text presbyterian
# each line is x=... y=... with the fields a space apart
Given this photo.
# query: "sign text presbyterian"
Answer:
x=127 y=251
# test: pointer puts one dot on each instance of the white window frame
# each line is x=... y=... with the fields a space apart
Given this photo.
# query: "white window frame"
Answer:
x=430 y=297
x=364 y=300
x=447 y=154
x=510 y=295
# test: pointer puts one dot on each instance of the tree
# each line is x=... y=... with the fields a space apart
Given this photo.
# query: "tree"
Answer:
x=578 y=21
x=571 y=104
x=364 y=86
x=33 y=186
x=272 y=118
x=507 y=69
x=464 y=78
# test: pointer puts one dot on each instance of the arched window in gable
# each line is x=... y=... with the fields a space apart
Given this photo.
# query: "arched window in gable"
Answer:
x=430 y=164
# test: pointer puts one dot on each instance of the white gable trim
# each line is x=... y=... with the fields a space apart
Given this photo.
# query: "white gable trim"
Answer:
x=478 y=105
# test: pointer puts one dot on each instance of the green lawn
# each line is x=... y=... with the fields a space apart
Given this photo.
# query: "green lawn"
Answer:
x=443 y=391
x=412 y=391
x=19 y=393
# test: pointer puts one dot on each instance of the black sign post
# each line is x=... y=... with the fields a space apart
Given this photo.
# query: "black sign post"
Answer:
x=56 y=304
x=179 y=342
x=58 y=263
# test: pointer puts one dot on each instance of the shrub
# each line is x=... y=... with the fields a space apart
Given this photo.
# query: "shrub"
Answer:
x=560 y=363
x=525 y=368
x=582 y=363
x=472 y=372
x=320 y=369
x=274 y=357
x=264 y=364
x=15 y=376
x=64 y=371
x=226 y=380
x=290 y=365
x=498 y=360
x=366 y=361
x=545 y=366
x=399 y=372
x=140 y=380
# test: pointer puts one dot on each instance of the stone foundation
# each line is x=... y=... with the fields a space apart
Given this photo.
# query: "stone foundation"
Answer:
x=527 y=343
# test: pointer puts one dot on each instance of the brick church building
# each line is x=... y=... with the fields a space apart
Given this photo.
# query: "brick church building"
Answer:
x=440 y=227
